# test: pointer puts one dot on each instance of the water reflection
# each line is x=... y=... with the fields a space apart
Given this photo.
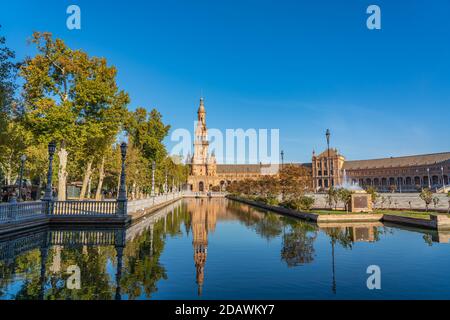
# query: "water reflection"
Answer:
x=129 y=264
x=34 y=265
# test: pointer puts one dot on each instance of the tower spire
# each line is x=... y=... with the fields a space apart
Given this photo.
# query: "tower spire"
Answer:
x=201 y=111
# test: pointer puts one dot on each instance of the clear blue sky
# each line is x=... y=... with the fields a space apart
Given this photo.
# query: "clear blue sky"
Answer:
x=300 y=66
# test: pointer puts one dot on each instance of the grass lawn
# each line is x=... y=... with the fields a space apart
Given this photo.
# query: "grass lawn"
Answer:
x=328 y=212
x=408 y=214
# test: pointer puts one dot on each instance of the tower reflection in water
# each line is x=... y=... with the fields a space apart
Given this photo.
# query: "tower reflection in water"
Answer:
x=203 y=217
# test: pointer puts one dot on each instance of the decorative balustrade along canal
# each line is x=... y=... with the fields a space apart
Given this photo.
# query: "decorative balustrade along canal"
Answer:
x=16 y=216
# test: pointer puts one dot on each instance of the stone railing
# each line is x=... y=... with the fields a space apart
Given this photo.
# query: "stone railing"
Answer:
x=192 y=194
x=152 y=201
x=10 y=212
x=85 y=208
x=21 y=211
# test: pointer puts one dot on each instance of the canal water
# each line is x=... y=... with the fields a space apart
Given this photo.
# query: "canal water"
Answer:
x=221 y=249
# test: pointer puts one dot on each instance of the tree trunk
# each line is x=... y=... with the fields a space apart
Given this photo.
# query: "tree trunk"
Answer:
x=87 y=177
x=101 y=176
x=62 y=173
x=89 y=187
x=8 y=175
x=133 y=192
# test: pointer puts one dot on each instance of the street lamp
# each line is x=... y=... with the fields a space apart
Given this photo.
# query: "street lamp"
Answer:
x=122 y=189
x=48 y=189
x=153 y=177
x=166 y=186
x=429 y=181
x=327 y=135
x=23 y=158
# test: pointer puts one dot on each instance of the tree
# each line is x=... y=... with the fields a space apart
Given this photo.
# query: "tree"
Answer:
x=146 y=131
x=427 y=196
x=332 y=197
x=12 y=135
x=294 y=181
x=8 y=74
x=70 y=98
x=373 y=193
x=436 y=201
x=345 y=196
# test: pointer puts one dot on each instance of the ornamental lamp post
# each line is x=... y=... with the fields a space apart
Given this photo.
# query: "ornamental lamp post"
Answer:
x=153 y=177
x=122 y=188
x=23 y=158
x=122 y=197
x=48 y=189
x=327 y=135
x=429 y=180
x=166 y=186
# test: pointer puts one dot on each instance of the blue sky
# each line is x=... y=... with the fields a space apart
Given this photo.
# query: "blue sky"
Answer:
x=300 y=66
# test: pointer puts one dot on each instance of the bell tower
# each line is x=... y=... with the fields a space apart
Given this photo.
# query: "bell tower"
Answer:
x=201 y=144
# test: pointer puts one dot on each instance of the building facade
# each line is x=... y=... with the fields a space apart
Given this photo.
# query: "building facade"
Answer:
x=402 y=174
x=205 y=174
x=329 y=168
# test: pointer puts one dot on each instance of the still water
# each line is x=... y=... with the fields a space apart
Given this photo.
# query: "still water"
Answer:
x=221 y=249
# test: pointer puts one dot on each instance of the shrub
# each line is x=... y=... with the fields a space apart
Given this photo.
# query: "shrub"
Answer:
x=307 y=203
x=436 y=201
x=271 y=201
x=345 y=196
x=302 y=203
x=427 y=196
x=289 y=204
x=373 y=192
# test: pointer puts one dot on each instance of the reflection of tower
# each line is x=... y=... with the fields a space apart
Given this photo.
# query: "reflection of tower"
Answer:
x=203 y=220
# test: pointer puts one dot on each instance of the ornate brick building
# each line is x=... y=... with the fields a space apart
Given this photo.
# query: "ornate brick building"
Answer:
x=404 y=174
x=205 y=174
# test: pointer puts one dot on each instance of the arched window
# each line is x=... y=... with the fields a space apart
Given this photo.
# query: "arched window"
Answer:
x=417 y=181
x=434 y=180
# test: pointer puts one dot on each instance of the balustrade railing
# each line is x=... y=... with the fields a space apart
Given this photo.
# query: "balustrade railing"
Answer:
x=12 y=212
x=85 y=208
x=21 y=211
